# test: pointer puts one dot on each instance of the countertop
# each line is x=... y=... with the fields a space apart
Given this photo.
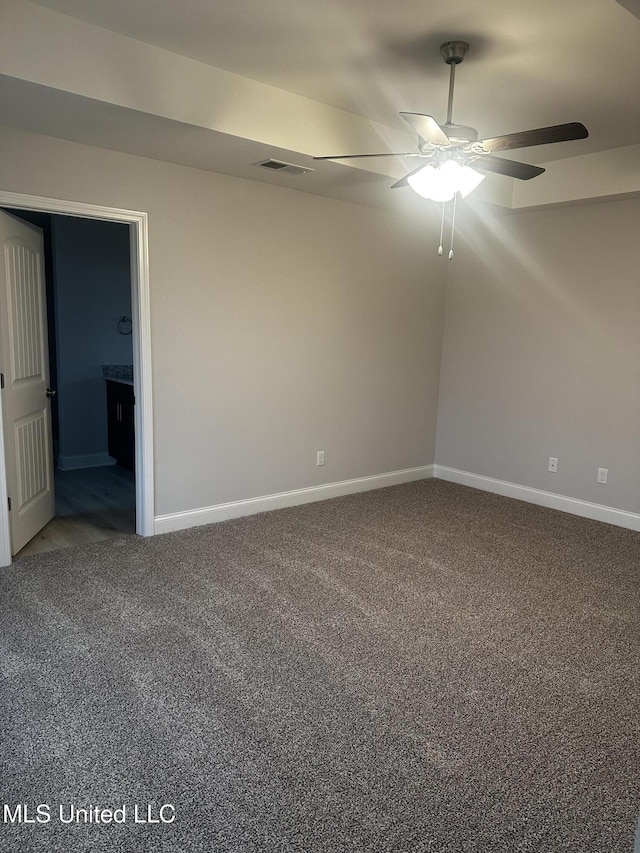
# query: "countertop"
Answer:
x=118 y=373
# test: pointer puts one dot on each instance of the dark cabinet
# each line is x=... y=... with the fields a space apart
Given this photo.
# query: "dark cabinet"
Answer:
x=120 y=422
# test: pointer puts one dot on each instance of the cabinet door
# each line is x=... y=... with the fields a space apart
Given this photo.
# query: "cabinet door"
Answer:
x=120 y=423
x=128 y=445
x=113 y=429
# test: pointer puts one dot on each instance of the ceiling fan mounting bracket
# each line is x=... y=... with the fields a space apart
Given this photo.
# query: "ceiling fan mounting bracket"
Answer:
x=453 y=52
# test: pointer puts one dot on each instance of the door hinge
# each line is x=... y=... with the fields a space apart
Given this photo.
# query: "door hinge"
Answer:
x=1 y=380
x=9 y=500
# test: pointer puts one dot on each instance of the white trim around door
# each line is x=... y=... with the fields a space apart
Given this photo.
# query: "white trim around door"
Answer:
x=142 y=375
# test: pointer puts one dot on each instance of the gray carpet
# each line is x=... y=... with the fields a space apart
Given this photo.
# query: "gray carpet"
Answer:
x=421 y=668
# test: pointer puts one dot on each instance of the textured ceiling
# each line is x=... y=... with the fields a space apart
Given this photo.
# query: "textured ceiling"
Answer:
x=308 y=78
x=530 y=64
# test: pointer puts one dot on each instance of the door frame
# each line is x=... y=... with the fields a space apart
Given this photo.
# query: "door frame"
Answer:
x=141 y=340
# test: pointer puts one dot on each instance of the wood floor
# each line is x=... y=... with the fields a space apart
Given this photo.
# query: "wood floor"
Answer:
x=92 y=504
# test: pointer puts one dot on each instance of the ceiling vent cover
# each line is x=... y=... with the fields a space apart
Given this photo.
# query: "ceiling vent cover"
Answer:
x=281 y=166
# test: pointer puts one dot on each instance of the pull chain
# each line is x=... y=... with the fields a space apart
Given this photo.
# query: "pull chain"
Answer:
x=453 y=224
x=441 y=230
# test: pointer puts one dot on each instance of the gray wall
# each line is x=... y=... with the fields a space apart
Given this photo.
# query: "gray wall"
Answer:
x=541 y=353
x=92 y=291
x=282 y=323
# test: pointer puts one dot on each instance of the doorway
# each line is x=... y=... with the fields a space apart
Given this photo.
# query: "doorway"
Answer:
x=138 y=326
x=88 y=317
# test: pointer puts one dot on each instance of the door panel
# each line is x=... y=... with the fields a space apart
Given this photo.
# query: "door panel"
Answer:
x=31 y=452
x=27 y=409
x=25 y=307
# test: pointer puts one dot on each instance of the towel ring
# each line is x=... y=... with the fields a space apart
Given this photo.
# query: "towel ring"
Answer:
x=123 y=322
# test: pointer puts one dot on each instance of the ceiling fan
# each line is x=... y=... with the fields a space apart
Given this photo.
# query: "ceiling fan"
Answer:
x=455 y=158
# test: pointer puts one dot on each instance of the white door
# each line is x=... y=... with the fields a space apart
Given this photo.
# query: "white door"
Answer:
x=25 y=367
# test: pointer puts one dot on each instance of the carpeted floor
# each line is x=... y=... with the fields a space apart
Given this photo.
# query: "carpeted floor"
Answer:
x=421 y=668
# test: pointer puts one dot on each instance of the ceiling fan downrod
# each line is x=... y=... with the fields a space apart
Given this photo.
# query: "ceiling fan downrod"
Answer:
x=453 y=52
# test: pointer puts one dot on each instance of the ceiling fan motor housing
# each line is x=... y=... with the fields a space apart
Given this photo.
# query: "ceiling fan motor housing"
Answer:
x=460 y=132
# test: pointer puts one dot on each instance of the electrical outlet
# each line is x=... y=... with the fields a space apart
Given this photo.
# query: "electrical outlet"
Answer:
x=320 y=457
x=603 y=473
x=553 y=464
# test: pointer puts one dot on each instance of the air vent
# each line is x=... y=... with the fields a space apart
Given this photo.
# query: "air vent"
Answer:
x=281 y=166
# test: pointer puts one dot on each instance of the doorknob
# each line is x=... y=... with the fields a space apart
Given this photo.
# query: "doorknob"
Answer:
x=50 y=393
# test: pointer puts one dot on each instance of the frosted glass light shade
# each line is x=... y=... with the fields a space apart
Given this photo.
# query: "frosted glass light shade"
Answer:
x=433 y=183
x=469 y=179
x=442 y=182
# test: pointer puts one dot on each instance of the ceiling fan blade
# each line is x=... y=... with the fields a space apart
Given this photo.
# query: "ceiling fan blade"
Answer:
x=426 y=127
x=522 y=171
x=352 y=156
x=539 y=136
x=404 y=182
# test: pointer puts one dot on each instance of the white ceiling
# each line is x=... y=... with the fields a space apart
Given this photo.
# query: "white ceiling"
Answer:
x=529 y=65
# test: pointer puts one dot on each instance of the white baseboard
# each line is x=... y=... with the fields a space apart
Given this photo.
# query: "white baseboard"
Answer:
x=236 y=509
x=597 y=512
x=91 y=460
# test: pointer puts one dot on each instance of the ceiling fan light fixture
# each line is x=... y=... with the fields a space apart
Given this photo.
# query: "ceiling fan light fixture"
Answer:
x=442 y=182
